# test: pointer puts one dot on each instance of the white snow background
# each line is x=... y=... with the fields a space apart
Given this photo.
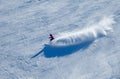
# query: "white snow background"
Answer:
x=86 y=45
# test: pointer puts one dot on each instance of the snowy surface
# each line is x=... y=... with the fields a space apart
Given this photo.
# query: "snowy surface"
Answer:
x=86 y=45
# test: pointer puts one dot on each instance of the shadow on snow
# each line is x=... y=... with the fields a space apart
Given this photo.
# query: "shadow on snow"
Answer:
x=58 y=51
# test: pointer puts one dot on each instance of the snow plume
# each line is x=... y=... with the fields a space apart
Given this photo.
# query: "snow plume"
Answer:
x=88 y=34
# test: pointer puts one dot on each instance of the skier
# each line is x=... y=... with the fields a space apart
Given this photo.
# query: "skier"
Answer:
x=51 y=37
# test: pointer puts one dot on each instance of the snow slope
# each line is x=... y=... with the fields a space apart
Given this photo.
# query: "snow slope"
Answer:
x=88 y=47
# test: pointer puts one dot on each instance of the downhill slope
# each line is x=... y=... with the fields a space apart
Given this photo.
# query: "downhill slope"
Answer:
x=87 y=40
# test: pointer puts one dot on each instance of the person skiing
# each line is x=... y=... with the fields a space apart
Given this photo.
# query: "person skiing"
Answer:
x=51 y=37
